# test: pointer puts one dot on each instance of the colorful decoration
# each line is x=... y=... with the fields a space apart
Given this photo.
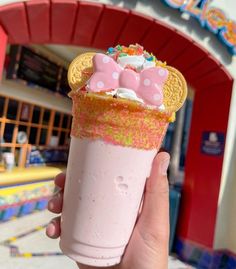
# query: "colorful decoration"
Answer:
x=195 y=8
x=147 y=84
x=128 y=100
x=153 y=81
x=18 y=194
x=121 y=51
x=118 y=121
x=215 y=20
x=212 y=18
x=23 y=199
x=228 y=36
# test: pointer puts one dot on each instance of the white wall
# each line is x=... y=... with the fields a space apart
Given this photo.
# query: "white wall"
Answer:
x=225 y=236
x=5 y=2
x=35 y=96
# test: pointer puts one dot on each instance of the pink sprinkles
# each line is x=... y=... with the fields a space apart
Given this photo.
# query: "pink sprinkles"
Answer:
x=118 y=121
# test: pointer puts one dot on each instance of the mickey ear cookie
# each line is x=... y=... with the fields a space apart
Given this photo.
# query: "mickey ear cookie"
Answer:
x=80 y=70
x=175 y=90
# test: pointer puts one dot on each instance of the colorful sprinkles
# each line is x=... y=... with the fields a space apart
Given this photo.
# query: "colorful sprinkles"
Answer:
x=118 y=121
x=121 y=51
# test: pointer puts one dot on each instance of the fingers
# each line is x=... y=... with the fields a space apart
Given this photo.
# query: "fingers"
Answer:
x=60 y=180
x=154 y=219
x=53 y=229
x=55 y=203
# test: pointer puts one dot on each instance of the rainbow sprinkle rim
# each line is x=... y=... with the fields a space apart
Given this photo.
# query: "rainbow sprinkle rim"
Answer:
x=118 y=121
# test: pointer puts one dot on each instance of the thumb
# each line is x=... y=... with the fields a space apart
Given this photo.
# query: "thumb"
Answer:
x=153 y=223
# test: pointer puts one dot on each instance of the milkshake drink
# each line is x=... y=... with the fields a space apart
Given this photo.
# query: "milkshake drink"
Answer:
x=120 y=117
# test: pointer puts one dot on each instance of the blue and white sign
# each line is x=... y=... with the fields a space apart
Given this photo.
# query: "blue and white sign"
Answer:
x=213 y=143
x=216 y=16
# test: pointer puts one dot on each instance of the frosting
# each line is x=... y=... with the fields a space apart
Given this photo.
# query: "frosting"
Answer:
x=125 y=93
x=138 y=62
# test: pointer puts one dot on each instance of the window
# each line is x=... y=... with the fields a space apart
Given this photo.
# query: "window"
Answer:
x=43 y=137
x=55 y=133
x=25 y=112
x=2 y=102
x=45 y=128
x=33 y=135
x=46 y=117
x=22 y=128
x=36 y=114
x=65 y=121
x=57 y=119
x=12 y=109
x=8 y=132
x=62 y=138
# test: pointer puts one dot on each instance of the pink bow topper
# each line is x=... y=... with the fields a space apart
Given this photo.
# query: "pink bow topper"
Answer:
x=109 y=75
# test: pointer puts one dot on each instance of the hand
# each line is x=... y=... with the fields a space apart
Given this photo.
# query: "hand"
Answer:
x=149 y=243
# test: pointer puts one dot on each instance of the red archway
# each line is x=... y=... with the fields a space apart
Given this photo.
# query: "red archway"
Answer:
x=100 y=26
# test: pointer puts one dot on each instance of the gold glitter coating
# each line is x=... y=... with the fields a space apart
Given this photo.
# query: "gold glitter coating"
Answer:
x=80 y=70
x=175 y=90
x=118 y=121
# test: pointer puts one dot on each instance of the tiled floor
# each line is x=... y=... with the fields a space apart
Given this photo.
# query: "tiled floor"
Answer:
x=33 y=240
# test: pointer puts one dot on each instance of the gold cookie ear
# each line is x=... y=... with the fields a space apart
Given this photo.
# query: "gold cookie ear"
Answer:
x=80 y=70
x=175 y=90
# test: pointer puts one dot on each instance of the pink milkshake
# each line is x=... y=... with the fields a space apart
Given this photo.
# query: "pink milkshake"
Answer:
x=119 y=121
x=105 y=183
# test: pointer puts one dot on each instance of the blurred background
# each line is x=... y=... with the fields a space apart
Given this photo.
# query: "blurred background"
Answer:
x=39 y=39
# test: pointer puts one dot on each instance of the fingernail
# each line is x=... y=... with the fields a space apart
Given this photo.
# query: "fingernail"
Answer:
x=51 y=229
x=164 y=166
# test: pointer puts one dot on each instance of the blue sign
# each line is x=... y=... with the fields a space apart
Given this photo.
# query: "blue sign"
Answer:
x=213 y=143
x=212 y=18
